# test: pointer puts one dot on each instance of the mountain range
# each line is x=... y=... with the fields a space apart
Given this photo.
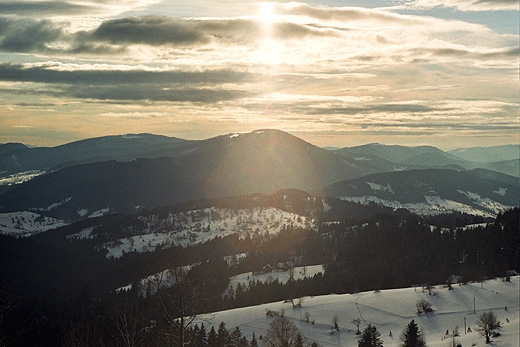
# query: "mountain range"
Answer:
x=126 y=173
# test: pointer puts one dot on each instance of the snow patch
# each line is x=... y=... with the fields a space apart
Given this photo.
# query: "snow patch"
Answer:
x=299 y=272
x=199 y=226
x=232 y=136
x=82 y=212
x=380 y=187
x=20 y=177
x=85 y=234
x=99 y=213
x=500 y=191
x=485 y=203
x=53 y=206
x=433 y=205
x=25 y=223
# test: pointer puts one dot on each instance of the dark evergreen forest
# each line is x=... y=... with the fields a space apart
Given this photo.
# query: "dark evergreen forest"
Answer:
x=62 y=293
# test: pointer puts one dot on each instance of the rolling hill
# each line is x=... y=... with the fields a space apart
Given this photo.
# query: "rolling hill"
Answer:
x=433 y=191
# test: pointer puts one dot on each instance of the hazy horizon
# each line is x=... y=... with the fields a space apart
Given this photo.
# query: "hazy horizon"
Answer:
x=246 y=132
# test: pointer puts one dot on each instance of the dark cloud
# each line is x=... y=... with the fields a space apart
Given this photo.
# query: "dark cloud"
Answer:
x=41 y=8
x=460 y=53
x=160 y=30
x=203 y=86
x=151 y=30
x=389 y=108
x=155 y=93
x=21 y=35
x=43 y=74
x=27 y=35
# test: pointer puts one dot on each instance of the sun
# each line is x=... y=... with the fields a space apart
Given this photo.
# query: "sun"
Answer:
x=268 y=51
x=266 y=17
x=267 y=12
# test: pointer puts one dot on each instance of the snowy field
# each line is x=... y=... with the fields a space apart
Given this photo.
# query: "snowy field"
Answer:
x=193 y=227
x=434 y=205
x=390 y=311
x=300 y=272
x=24 y=224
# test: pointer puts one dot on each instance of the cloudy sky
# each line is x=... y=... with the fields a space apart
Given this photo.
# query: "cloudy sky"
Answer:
x=335 y=73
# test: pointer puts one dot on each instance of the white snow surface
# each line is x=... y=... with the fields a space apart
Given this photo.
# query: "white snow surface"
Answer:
x=390 y=311
x=84 y=234
x=500 y=191
x=25 y=223
x=486 y=203
x=99 y=213
x=198 y=226
x=435 y=205
x=377 y=186
x=20 y=177
x=300 y=272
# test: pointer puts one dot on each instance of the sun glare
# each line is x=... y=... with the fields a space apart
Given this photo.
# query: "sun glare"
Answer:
x=267 y=52
x=267 y=12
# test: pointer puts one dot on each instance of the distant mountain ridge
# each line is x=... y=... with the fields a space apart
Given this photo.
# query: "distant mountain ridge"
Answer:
x=488 y=154
x=18 y=158
x=129 y=172
x=263 y=161
x=504 y=159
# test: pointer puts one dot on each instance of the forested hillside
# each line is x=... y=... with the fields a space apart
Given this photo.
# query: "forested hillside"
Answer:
x=76 y=283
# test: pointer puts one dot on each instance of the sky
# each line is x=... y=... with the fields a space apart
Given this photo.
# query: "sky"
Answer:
x=334 y=73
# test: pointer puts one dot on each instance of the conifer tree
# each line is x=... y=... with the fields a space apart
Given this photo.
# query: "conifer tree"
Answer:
x=202 y=336
x=223 y=339
x=254 y=341
x=212 y=337
x=412 y=337
x=299 y=341
x=370 y=337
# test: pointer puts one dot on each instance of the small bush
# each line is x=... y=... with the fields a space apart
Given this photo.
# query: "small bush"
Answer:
x=423 y=306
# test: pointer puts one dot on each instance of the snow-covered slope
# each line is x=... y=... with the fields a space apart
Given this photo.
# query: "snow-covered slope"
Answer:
x=198 y=226
x=390 y=311
x=23 y=224
x=281 y=276
x=433 y=192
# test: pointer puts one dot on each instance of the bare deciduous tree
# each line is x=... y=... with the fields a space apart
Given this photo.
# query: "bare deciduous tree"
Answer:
x=357 y=323
x=335 y=322
x=180 y=305
x=487 y=322
x=281 y=333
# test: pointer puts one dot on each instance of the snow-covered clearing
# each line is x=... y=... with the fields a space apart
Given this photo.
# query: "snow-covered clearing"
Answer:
x=193 y=227
x=25 y=223
x=282 y=276
x=377 y=186
x=486 y=203
x=85 y=234
x=435 y=205
x=166 y=278
x=390 y=311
